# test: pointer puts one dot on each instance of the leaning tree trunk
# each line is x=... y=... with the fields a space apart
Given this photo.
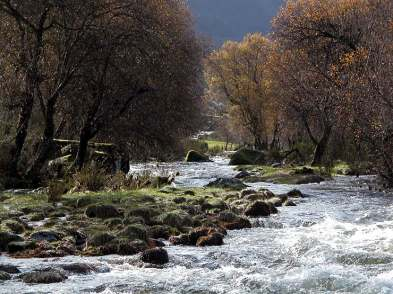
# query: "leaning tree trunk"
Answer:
x=321 y=147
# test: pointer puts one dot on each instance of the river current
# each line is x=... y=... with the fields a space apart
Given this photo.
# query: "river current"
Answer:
x=339 y=239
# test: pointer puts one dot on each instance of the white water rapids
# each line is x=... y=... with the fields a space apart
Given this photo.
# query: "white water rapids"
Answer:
x=337 y=240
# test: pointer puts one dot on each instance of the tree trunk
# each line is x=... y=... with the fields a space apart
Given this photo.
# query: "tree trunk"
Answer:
x=84 y=139
x=321 y=147
x=21 y=132
x=46 y=147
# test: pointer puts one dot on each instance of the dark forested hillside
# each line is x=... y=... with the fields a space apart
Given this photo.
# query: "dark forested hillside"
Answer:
x=232 y=19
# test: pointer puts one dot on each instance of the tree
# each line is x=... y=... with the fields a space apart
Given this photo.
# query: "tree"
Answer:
x=238 y=73
x=315 y=39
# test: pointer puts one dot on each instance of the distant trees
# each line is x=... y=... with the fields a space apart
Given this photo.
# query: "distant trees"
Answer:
x=238 y=76
x=116 y=70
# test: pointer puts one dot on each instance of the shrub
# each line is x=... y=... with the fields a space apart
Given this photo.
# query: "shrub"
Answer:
x=56 y=189
x=90 y=179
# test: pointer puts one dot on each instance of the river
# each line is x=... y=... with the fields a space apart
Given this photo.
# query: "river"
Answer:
x=337 y=240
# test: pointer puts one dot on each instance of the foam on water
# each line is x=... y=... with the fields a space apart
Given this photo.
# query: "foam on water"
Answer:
x=338 y=240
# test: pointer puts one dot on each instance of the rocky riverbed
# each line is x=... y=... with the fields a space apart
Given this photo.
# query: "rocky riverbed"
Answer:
x=225 y=238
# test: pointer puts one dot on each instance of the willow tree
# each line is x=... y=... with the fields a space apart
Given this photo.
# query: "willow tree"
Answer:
x=238 y=75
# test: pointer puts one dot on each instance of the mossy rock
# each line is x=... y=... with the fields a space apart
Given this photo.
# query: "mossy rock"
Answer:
x=100 y=239
x=176 y=218
x=134 y=232
x=195 y=156
x=247 y=157
x=227 y=183
x=35 y=217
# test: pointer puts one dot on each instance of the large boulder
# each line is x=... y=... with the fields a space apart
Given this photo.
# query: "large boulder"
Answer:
x=258 y=209
x=102 y=211
x=44 y=277
x=49 y=236
x=6 y=238
x=9 y=268
x=227 y=183
x=195 y=156
x=247 y=157
x=155 y=256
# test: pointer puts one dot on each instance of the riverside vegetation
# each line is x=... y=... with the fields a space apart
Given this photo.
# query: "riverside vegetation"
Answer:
x=89 y=86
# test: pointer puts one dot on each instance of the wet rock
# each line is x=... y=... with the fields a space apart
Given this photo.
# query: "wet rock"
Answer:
x=9 y=268
x=197 y=233
x=127 y=247
x=195 y=156
x=14 y=247
x=4 y=276
x=182 y=239
x=276 y=201
x=44 y=277
x=267 y=193
x=82 y=268
x=295 y=194
x=309 y=179
x=289 y=203
x=155 y=256
x=6 y=238
x=227 y=183
x=49 y=236
x=239 y=224
x=100 y=239
x=15 y=226
x=102 y=211
x=242 y=175
x=258 y=209
x=136 y=231
x=214 y=239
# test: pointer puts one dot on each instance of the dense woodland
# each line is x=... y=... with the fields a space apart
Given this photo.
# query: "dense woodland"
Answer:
x=131 y=73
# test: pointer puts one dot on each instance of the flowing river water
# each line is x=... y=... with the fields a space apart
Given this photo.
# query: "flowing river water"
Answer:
x=337 y=240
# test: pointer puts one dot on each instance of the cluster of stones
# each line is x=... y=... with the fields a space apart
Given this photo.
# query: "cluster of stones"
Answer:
x=193 y=221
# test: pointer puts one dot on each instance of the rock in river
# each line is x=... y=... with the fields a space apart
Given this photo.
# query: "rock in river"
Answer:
x=155 y=256
x=227 y=183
